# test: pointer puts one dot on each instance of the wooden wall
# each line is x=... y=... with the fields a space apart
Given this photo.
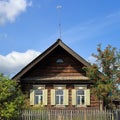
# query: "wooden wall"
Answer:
x=94 y=103
x=49 y=68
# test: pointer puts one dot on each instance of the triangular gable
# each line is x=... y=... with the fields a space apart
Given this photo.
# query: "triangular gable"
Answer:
x=47 y=52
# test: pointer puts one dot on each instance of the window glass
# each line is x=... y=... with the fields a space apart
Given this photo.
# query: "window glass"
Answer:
x=59 y=60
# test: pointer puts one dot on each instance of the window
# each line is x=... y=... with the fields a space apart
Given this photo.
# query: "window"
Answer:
x=59 y=60
x=59 y=97
x=80 y=95
x=38 y=97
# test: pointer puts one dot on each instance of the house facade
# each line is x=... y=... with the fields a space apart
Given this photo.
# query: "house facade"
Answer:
x=56 y=79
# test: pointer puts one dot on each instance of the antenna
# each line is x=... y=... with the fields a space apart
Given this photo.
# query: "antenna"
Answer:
x=59 y=18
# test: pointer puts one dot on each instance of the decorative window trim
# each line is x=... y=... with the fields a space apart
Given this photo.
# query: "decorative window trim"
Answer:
x=59 y=87
x=38 y=87
x=80 y=87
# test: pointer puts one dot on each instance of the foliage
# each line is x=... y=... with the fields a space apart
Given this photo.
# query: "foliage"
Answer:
x=11 y=98
x=105 y=73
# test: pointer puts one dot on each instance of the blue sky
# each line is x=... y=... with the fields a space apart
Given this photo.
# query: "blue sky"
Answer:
x=28 y=27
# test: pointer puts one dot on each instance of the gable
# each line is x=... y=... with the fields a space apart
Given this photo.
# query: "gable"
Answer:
x=50 y=67
x=45 y=66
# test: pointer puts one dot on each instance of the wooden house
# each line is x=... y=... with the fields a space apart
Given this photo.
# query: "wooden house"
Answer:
x=56 y=79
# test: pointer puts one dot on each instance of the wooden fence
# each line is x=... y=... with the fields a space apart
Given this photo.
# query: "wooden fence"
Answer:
x=66 y=115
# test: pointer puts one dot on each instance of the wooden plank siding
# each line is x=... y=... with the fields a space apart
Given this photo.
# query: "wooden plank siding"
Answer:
x=94 y=103
x=49 y=68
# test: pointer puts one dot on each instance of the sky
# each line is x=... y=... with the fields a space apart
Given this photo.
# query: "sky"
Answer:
x=29 y=27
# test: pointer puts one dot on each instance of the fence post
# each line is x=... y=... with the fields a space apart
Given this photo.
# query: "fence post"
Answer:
x=115 y=115
x=85 y=115
x=71 y=114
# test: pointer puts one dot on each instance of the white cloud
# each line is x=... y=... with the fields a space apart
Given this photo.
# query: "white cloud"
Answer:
x=15 y=61
x=91 y=59
x=93 y=28
x=10 y=9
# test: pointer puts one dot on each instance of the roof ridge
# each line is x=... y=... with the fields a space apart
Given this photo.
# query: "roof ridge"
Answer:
x=59 y=40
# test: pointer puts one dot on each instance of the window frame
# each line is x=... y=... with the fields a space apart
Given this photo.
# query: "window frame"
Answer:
x=59 y=96
x=80 y=87
x=39 y=88
x=80 y=96
x=59 y=61
x=60 y=87
x=39 y=97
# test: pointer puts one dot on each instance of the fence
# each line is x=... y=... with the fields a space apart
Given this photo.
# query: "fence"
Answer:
x=66 y=115
x=116 y=114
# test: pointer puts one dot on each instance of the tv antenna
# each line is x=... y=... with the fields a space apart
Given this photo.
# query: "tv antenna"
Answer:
x=59 y=18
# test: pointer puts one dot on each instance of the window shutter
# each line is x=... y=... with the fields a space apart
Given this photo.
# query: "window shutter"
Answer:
x=65 y=97
x=87 y=97
x=73 y=97
x=31 y=97
x=45 y=97
x=52 y=96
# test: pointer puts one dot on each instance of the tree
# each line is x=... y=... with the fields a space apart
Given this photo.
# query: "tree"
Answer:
x=11 y=98
x=105 y=73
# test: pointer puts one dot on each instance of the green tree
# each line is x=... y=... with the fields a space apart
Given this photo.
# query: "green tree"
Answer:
x=105 y=73
x=11 y=98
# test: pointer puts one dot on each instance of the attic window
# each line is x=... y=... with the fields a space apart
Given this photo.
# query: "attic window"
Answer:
x=59 y=60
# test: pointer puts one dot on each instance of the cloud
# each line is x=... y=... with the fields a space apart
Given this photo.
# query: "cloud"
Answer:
x=10 y=9
x=15 y=61
x=93 y=28
x=91 y=59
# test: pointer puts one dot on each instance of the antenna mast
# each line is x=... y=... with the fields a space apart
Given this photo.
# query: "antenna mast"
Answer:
x=59 y=18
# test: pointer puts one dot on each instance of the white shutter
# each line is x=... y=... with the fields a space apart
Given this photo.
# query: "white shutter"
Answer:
x=52 y=96
x=65 y=97
x=73 y=97
x=87 y=96
x=45 y=97
x=31 y=97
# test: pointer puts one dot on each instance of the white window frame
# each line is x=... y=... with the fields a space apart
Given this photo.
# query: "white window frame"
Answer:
x=59 y=96
x=80 y=87
x=80 y=97
x=38 y=96
x=60 y=87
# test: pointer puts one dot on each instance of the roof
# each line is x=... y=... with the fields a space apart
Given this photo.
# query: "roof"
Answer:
x=47 y=52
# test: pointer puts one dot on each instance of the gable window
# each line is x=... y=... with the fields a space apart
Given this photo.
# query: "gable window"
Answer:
x=59 y=60
x=38 y=96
